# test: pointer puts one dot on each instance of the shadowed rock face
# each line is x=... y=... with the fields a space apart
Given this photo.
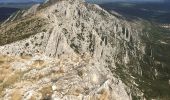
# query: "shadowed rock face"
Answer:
x=105 y=57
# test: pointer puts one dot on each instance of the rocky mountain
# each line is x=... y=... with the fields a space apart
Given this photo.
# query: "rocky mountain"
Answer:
x=72 y=50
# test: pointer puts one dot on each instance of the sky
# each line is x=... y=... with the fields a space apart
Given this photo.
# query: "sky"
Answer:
x=96 y=1
x=20 y=1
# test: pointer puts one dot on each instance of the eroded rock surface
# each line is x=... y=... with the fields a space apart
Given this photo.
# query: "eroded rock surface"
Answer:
x=72 y=50
x=72 y=77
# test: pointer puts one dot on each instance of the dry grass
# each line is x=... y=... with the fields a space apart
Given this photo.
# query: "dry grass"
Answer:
x=13 y=78
x=46 y=91
x=60 y=71
x=16 y=95
x=76 y=92
x=38 y=64
x=5 y=66
x=2 y=77
x=9 y=80
x=1 y=62
x=4 y=58
x=4 y=71
x=32 y=98
x=26 y=57
x=104 y=95
x=7 y=76
x=1 y=89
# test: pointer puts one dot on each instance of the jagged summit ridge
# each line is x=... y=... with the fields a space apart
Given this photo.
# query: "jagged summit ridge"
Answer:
x=53 y=1
x=81 y=45
x=59 y=19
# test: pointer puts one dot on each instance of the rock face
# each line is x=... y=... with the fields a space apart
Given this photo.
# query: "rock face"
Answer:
x=71 y=50
x=72 y=77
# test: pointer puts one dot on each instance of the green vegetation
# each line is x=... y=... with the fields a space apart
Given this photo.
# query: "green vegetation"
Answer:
x=127 y=5
x=154 y=65
x=155 y=86
x=22 y=30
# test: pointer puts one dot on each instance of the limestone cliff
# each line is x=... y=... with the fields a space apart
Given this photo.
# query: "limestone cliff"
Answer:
x=72 y=50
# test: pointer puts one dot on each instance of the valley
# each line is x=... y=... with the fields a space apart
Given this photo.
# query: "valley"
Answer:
x=158 y=12
x=5 y=12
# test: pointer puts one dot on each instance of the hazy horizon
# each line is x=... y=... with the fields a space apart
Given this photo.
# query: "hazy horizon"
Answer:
x=93 y=1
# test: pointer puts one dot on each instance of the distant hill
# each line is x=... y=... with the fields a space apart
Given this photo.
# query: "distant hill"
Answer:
x=18 y=5
x=6 y=9
x=6 y=12
x=156 y=12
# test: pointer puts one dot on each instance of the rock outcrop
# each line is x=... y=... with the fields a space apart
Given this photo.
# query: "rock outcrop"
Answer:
x=83 y=52
x=72 y=77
